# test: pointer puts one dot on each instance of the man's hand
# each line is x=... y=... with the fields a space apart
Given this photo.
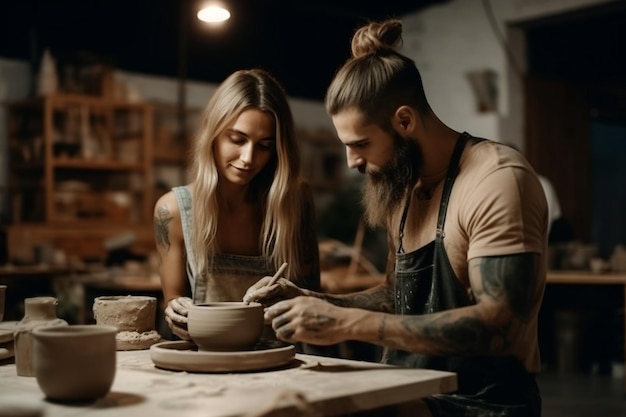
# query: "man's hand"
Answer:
x=176 y=316
x=307 y=320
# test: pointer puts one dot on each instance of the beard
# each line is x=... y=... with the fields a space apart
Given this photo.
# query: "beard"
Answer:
x=386 y=186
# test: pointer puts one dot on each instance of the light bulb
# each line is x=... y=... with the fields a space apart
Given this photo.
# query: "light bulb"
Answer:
x=213 y=14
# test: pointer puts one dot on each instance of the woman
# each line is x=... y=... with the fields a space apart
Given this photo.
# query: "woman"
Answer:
x=246 y=210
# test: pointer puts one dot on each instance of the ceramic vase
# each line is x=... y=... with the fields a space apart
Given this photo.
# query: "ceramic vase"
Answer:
x=47 y=79
x=38 y=312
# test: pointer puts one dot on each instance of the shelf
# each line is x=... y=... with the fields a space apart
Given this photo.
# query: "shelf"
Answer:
x=97 y=165
x=171 y=157
x=76 y=158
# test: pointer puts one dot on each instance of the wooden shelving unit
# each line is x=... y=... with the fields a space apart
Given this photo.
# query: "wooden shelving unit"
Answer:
x=80 y=172
x=80 y=159
x=171 y=157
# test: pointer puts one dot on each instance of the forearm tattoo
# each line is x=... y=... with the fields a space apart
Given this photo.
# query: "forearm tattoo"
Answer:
x=507 y=280
x=161 y=232
x=380 y=298
x=464 y=336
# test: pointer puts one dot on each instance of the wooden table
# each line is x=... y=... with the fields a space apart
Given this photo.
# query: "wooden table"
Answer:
x=323 y=386
x=589 y=278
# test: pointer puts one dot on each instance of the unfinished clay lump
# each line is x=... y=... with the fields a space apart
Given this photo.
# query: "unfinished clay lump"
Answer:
x=134 y=317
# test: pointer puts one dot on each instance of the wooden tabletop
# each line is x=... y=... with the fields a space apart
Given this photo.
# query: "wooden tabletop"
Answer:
x=585 y=277
x=326 y=386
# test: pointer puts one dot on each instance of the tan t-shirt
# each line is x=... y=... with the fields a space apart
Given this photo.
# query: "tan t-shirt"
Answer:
x=497 y=207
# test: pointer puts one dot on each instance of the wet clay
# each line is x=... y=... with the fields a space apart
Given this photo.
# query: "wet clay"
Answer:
x=134 y=317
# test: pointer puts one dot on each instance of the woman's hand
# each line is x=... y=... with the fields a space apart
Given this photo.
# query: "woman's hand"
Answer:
x=176 y=316
x=260 y=292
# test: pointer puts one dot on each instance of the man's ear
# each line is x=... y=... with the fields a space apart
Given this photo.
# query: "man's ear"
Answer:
x=404 y=120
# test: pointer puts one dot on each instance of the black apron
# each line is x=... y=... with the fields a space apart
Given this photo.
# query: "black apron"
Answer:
x=426 y=283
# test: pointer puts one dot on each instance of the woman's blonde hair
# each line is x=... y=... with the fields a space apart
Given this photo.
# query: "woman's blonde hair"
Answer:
x=278 y=184
x=377 y=79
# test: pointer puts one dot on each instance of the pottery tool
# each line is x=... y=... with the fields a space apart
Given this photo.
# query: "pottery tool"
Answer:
x=277 y=274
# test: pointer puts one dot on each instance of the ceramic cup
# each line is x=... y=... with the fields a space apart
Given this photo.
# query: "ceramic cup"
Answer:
x=225 y=326
x=76 y=362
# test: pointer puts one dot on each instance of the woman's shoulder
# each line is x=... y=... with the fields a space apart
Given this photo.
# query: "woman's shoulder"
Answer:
x=167 y=203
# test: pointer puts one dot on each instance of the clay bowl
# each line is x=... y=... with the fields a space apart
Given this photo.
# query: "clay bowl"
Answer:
x=76 y=362
x=225 y=326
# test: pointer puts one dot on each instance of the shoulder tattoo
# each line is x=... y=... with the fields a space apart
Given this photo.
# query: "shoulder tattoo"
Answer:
x=162 y=220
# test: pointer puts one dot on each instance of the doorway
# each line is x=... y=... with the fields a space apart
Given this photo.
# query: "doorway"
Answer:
x=575 y=132
x=576 y=76
x=608 y=154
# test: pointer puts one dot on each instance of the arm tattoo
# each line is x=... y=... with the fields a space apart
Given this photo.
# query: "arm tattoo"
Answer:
x=161 y=222
x=468 y=335
x=451 y=336
x=511 y=279
x=379 y=298
x=508 y=280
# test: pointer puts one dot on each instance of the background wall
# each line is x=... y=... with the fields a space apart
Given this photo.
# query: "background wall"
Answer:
x=450 y=40
x=16 y=82
x=446 y=41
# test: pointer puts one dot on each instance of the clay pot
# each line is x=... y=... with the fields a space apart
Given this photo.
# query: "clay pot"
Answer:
x=225 y=326
x=133 y=315
x=76 y=362
x=38 y=312
x=128 y=313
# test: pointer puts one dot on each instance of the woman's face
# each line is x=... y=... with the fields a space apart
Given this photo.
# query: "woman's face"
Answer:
x=243 y=149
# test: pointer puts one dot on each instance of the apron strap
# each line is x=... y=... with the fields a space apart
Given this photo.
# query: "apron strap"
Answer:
x=453 y=168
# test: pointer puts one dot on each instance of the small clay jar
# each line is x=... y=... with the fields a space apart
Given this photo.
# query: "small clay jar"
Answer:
x=38 y=312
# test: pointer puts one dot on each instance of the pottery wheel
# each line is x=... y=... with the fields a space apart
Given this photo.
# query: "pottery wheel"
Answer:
x=185 y=356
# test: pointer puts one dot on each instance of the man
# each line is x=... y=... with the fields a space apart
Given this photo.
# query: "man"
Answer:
x=467 y=227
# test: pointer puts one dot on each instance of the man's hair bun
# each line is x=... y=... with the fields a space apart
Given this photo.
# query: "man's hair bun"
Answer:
x=377 y=36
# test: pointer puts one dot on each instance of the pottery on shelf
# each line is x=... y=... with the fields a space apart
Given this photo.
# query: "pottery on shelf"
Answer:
x=134 y=316
x=39 y=312
x=225 y=326
x=47 y=78
x=76 y=362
